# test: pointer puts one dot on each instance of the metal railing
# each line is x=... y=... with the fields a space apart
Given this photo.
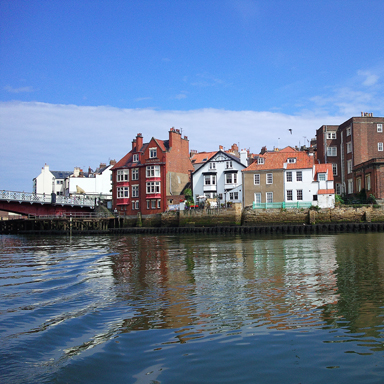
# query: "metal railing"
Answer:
x=281 y=205
x=42 y=198
x=74 y=215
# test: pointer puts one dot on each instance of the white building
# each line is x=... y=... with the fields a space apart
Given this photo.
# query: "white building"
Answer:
x=219 y=178
x=66 y=183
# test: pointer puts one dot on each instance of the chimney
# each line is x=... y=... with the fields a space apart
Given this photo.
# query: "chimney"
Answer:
x=221 y=148
x=263 y=150
x=112 y=162
x=139 y=142
x=172 y=135
x=133 y=144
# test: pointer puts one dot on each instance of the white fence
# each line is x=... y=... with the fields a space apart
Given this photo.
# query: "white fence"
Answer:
x=42 y=198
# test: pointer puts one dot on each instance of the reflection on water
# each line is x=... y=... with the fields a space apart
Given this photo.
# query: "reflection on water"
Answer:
x=174 y=308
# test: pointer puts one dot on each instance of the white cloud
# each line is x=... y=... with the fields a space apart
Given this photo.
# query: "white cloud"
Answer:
x=10 y=89
x=65 y=136
x=369 y=78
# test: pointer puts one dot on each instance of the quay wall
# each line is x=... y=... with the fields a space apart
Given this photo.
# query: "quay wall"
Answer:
x=272 y=220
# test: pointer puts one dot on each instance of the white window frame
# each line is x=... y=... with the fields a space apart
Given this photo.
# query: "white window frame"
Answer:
x=321 y=176
x=153 y=171
x=148 y=204
x=209 y=179
x=331 y=135
x=380 y=147
x=269 y=178
x=135 y=174
x=299 y=194
x=292 y=160
x=380 y=128
x=228 y=164
x=123 y=192
x=153 y=187
x=153 y=153
x=231 y=178
x=212 y=165
x=368 y=182
x=289 y=176
x=269 y=197
x=122 y=175
x=349 y=131
x=332 y=151
x=350 y=186
x=257 y=198
x=349 y=147
x=135 y=190
x=135 y=158
x=260 y=160
x=299 y=176
x=256 y=179
x=289 y=195
x=349 y=166
x=233 y=195
x=334 y=169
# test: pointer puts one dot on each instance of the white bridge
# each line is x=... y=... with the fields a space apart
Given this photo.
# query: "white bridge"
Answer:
x=53 y=199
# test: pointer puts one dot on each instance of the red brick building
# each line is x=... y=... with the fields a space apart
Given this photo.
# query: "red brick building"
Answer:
x=356 y=150
x=152 y=175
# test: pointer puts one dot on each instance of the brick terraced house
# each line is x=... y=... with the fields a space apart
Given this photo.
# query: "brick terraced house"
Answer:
x=152 y=175
x=356 y=150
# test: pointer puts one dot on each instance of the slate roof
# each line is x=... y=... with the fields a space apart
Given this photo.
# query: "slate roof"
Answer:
x=61 y=174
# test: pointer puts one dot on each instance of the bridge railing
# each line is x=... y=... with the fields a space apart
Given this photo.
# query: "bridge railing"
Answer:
x=79 y=200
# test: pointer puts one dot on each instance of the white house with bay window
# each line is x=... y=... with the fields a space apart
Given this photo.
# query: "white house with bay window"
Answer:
x=219 y=178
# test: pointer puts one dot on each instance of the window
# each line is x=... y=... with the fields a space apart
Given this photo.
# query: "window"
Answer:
x=334 y=169
x=153 y=171
x=209 y=179
x=299 y=194
x=256 y=179
x=269 y=178
x=321 y=177
x=299 y=176
x=135 y=191
x=123 y=175
x=212 y=165
x=135 y=174
x=153 y=187
x=349 y=166
x=379 y=146
x=148 y=204
x=122 y=192
x=332 y=151
x=349 y=131
x=257 y=197
x=135 y=158
x=59 y=181
x=289 y=176
x=380 y=128
x=135 y=204
x=233 y=195
x=350 y=186
x=368 y=182
x=228 y=164
x=231 y=178
x=269 y=197
x=314 y=198
x=358 y=184
x=292 y=160
x=349 y=147
x=289 y=195
x=153 y=204
x=152 y=153
x=220 y=195
x=260 y=160
x=331 y=135
x=338 y=189
x=159 y=204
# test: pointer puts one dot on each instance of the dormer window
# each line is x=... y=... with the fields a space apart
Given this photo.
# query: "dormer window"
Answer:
x=292 y=160
x=152 y=153
x=135 y=158
x=260 y=160
x=321 y=177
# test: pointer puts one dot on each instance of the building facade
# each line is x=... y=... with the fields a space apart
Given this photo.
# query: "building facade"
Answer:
x=356 y=150
x=218 y=178
x=152 y=175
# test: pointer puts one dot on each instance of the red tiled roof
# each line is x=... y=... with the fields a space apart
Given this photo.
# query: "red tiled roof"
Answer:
x=202 y=157
x=324 y=168
x=276 y=160
x=325 y=191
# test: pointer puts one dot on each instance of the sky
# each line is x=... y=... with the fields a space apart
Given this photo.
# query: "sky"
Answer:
x=79 y=79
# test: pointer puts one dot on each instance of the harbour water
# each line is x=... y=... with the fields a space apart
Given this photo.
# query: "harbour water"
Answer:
x=192 y=309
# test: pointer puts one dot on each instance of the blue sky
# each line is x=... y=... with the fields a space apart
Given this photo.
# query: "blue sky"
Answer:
x=79 y=79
